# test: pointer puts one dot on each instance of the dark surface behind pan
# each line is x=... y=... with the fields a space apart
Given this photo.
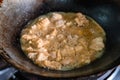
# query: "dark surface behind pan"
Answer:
x=15 y=14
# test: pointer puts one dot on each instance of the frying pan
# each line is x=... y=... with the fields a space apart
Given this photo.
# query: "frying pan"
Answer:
x=15 y=14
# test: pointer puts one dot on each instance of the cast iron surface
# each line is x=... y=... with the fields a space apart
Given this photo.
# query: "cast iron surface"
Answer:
x=15 y=14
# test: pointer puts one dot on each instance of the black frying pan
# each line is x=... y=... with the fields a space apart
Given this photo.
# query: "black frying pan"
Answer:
x=15 y=14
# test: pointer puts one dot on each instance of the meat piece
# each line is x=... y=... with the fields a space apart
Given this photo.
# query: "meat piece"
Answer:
x=72 y=39
x=40 y=43
x=78 y=48
x=97 y=44
x=53 y=64
x=83 y=42
x=34 y=27
x=59 y=57
x=60 y=23
x=71 y=51
x=64 y=52
x=56 y=16
x=44 y=22
x=32 y=55
x=53 y=54
x=54 y=33
x=42 y=56
x=81 y=20
x=60 y=37
x=68 y=23
x=68 y=61
x=29 y=49
x=42 y=49
x=28 y=37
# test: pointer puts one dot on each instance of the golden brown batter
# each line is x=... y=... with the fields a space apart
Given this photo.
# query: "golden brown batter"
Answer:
x=62 y=41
